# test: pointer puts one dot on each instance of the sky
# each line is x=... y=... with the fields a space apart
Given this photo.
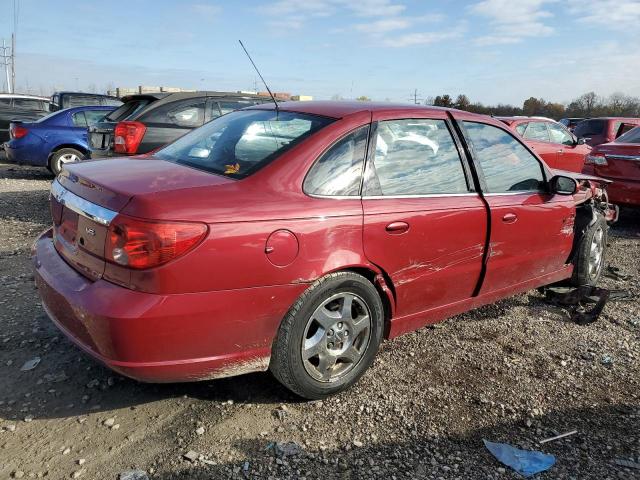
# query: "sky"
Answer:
x=494 y=51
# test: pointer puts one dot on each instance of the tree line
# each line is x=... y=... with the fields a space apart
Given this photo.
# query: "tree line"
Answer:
x=586 y=105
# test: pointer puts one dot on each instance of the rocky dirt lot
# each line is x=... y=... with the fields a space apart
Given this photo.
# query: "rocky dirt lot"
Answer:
x=516 y=372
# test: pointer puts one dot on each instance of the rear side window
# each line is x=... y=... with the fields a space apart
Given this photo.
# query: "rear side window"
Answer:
x=79 y=120
x=590 y=127
x=29 y=104
x=537 y=131
x=559 y=134
x=94 y=116
x=415 y=157
x=5 y=102
x=338 y=172
x=506 y=164
x=240 y=143
x=188 y=114
x=521 y=128
x=127 y=109
x=632 y=136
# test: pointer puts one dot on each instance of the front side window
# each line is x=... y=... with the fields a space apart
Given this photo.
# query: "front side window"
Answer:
x=415 y=157
x=338 y=171
x=560 y=134
x=506 y=164
x=537 y=131
x=240 y=143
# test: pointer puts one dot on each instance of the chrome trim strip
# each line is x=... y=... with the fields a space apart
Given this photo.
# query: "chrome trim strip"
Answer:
x=520 y=192
x=623 y=157
x=431 y=195
x=98 y=214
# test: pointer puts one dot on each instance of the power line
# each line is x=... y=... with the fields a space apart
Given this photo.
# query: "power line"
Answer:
x=414 y=96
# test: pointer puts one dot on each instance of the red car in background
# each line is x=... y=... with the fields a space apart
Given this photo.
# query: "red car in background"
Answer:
x=604 y=129
x=294 y=239
x=619 y=161
x=555 y=144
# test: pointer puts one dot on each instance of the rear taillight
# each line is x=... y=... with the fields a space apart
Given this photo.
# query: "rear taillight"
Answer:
x=18 y=131
x=138 y=244
x=127 y=136
x=595 y=159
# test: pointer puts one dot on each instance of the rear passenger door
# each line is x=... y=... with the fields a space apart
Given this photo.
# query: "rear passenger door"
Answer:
x=170 y=121
x=423 y=223
x=531 y=229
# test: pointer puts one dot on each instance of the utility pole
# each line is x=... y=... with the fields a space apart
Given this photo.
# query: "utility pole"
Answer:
x=6 y=62
x=13 y=60
x=414 y=96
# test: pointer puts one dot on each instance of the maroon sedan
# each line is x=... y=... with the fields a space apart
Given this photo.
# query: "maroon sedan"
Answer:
x=619 y=161
x=296 y=239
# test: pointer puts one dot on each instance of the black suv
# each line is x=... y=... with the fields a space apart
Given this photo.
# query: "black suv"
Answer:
x=147 y=121
x=16 y=107
x=61 y=100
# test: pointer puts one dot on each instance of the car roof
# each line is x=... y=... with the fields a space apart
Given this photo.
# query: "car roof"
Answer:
x=21 y=95
x=614 y=118
x=67 y=92
x=522 y=118
x=340 y=108
x=171 y=96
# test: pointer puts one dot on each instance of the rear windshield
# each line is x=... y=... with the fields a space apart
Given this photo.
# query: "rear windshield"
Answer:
x=127 y=109
x=240 y=143
x=632 y=136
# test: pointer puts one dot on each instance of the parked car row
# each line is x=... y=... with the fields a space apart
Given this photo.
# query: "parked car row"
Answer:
x=138 y=124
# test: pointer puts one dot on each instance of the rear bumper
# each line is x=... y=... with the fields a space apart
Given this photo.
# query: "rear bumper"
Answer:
x=161 y=338
x=27 y=154
x=625 y=192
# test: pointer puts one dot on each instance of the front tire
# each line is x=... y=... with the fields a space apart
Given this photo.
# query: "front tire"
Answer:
x=62 y=156
x=590 y=255
x=329 y=337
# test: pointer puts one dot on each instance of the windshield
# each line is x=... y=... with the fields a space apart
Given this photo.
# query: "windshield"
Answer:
x=632 y=136
x=240 y=143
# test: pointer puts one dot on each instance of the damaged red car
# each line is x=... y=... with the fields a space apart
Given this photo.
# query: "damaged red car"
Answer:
x=295 y=238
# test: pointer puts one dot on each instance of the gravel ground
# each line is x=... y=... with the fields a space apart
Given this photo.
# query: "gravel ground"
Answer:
x=517 y=371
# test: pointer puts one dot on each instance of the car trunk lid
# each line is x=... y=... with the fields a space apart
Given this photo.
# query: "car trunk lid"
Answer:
x=623 y=161
x=86 y=197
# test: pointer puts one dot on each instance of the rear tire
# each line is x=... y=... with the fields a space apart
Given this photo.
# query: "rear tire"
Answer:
x=62 y=156
x=329 y=337
x=590 y=255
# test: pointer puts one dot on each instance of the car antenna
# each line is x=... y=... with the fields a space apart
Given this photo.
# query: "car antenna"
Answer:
x=261 y=77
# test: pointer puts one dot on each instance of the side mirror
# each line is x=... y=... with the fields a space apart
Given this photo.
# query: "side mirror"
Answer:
x=581 y=141
x=563 y=185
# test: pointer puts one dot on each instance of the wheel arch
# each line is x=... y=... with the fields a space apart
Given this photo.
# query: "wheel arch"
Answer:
x=75 y=146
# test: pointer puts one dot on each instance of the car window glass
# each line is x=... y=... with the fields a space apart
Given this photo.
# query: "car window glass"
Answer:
x=537 y=131
x=110 y=102
x=339 y=170
x=94 y=116
x=79 y=120
x=240 y=143
x=587 y=128
x=28 y=103
x=521 y=128
x=5 y=102
x=559 y=134
x=506 y=164
x=188 y=114
x=127 y=109
x=415 y=157
x=632 y=136
x=226 y=107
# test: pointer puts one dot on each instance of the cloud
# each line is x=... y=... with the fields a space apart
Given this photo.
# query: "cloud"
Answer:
x=612 y=14
x=374 y=8
x=423 y=38
x=383 y=26
x=511 y=21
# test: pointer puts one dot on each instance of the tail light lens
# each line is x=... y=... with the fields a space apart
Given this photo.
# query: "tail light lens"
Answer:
x=595 y=159
x=127 y=136
x=139 y=244
x=18 y=131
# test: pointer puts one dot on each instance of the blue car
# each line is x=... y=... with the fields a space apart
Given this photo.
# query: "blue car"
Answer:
x=52 y=141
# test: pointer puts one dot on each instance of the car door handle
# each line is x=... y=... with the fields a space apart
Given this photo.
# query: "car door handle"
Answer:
x=397 y=227
x=509 y=218
x=560 y=152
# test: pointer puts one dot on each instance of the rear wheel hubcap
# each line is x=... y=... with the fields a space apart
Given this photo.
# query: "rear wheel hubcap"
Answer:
x=596 y=251
x=336 y=337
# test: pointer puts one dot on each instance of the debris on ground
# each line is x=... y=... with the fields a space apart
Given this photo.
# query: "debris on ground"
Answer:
x=626 y=463
x=30 y=364
x=614 y=273
x=133 y=475
x=525 y=462
x=191 y=455
x=558 y=437
x=287 y=449
x=578 y=299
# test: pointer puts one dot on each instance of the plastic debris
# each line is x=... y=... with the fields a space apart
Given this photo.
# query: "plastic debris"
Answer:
x=558 y=437
x=525 y=462
x=577 y=299
x=30 y=364
x=626 y=463
x=284 y=449
x=133 y=475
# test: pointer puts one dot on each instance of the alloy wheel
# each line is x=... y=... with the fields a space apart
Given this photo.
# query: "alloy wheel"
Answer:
x=596 y=251
x=336 y=337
